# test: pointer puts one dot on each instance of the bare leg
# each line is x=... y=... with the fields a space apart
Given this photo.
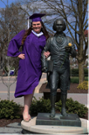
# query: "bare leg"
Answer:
x=27 y=104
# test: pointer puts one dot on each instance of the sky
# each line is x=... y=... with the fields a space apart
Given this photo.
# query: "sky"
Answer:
x=2 y=4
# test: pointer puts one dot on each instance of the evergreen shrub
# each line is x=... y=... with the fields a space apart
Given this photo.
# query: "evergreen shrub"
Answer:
x=9 y=109
x=44 y=106
x=83 y=85
x=74 y=80
x=75 y=72
x=73 y=107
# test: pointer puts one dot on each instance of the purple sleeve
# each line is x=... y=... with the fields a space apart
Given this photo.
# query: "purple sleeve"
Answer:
x=14 y=45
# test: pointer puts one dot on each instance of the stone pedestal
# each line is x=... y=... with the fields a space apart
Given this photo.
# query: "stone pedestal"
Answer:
x=31 y=127
x=58 y=120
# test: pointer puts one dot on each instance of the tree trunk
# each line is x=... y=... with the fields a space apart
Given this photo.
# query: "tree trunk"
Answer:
x=81 y=71
x=8 y=94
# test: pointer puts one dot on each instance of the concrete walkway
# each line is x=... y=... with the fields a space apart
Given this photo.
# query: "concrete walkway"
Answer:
x=13 y=128
x=81 y=98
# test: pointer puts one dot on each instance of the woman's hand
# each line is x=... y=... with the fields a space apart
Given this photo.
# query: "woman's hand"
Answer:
x=21 y=56
x=46 y=54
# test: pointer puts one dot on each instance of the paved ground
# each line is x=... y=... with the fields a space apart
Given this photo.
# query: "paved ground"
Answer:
x=4 y=90
x=82 y=98
x=15 y=128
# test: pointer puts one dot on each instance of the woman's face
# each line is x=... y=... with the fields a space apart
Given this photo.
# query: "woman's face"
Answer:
x=36 y=26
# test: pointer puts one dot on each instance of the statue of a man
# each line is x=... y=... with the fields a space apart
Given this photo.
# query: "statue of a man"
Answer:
x=60 y=47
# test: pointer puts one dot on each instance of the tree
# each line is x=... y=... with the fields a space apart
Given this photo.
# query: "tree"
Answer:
x=12 y=20
x=75 y=13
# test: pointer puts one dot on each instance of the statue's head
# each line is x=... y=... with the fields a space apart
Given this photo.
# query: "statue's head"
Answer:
x=59 y=25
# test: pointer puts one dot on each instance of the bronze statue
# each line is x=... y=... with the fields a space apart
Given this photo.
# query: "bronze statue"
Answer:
x=60 y=47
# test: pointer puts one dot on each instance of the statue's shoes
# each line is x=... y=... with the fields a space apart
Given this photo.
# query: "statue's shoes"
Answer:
x=63 y=112
x=51 y=115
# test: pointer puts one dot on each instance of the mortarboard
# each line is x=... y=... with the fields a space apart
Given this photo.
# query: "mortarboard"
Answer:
x=36 y=17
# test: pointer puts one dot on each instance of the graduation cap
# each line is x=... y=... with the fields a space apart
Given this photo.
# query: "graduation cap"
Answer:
x=36 y=17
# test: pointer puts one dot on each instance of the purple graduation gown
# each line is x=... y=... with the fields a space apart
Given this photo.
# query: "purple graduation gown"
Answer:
x=29 y=71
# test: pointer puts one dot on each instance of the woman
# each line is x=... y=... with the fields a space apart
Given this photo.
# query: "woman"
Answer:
x=29 y=73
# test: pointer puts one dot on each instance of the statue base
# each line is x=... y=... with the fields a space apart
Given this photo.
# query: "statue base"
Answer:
x=31 y=128
x=58 y=120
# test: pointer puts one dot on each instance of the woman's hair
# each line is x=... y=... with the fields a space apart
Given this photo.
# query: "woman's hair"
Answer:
x=43 y=29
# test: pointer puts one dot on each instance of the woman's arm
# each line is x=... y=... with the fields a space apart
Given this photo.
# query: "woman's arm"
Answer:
x=15 y=44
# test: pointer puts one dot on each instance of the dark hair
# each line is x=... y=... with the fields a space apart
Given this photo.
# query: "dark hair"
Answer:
x=29 y=31
x=55 y=22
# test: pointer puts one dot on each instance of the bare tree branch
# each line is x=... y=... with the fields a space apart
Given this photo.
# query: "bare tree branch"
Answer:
x=3 y=2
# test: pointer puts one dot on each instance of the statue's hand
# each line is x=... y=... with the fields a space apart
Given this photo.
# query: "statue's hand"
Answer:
x=68 y=48
x=44 y=69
